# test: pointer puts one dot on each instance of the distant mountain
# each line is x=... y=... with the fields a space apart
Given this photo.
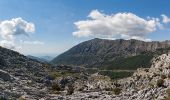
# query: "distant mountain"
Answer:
x=111 y=54
x=47 y=58
x=37 y=58
x=41 y=58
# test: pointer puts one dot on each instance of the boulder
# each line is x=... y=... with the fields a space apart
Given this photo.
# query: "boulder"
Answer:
x=5 y=76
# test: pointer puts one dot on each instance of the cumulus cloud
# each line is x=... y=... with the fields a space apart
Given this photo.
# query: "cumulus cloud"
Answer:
x=15 y=26
x=119 y=25
x=165 y=18
x=9 y=29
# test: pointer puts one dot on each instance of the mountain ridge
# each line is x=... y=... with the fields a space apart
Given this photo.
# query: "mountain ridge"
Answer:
x=102 y=51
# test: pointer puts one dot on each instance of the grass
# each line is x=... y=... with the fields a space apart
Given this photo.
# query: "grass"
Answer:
x=116 y=75
x=55 y=74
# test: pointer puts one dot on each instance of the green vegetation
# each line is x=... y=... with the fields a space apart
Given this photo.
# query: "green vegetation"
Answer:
x=56 y=74
x=163 y=76
x=160 y=82
x=116 y=75
x=168 y=93
x=151 y=84
x=130 y=63
x=117 y=91
x=70 y=90
x=56 y=87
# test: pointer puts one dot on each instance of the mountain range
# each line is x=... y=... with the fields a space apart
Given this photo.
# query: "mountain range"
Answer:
x=41 y=58
x=111 y=54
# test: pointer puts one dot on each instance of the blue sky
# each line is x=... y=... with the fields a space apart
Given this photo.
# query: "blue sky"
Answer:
x=54 y=20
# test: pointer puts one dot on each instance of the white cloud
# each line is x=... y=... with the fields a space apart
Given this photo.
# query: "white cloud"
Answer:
x=15 y=26
x=165 y=18
x=9 y=29
x=7 y=44
x=33 y=42
x=116 y=26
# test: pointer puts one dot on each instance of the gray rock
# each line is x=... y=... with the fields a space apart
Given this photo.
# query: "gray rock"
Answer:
x=5 y=76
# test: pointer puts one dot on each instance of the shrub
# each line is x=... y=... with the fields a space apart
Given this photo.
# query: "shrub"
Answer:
x=56 y=87
x=54 y=75
x=70 y=90
x=163 y=76
x=151 y=85
x=160 y=83
x=117 y=91
x=81 y=88
x=108 y=89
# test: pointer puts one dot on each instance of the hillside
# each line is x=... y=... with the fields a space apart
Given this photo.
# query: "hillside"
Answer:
x=111 y=54
x=20 y=75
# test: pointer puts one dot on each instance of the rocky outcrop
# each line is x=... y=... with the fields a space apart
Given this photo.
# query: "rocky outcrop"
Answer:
x=5 y=76
x=102 y=53
x=20 y=75
x=149 y=83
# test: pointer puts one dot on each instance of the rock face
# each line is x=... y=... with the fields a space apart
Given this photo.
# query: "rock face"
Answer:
x=103 y=52
x=146 y=84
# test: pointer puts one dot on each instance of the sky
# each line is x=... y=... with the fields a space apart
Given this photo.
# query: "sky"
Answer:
x=50 y=27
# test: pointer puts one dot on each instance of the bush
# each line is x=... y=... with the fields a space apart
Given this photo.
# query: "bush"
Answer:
x=160 y=83
x=151 y=85
x=70 y=90
x=56 y=87
x=117 y=91
x=163 y=76
x=108 y=89
x=54 y=75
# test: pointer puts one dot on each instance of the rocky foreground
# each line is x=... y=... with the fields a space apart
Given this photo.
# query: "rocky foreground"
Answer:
x=25 y=79
x=146 y=84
